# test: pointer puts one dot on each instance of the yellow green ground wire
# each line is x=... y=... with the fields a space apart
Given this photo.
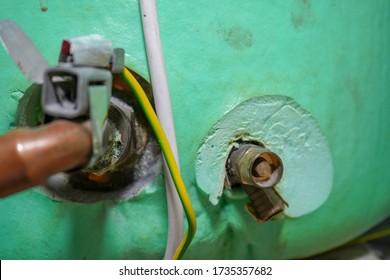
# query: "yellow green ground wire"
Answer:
x=365 y=239
x=170 y=159
x=371 y=236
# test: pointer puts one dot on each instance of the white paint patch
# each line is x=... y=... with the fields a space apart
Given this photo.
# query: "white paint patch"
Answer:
x=286 y=129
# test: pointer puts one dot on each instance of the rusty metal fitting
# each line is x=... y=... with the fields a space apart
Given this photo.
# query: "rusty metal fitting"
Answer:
x=253 y=165
x=257 y=170
x=264 y=204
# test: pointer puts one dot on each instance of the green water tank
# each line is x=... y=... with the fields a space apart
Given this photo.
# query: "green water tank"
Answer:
x=308 y=79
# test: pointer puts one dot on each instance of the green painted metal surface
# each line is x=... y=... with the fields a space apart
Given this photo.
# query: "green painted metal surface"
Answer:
x=331 y=57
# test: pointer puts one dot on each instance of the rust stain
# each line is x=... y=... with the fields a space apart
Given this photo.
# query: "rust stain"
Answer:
x=238 y=38
x=101 y=179
x=119 y=84
x=301 y=13
x=297 y=20
x=19 y=64
x=354 y=88
x=43 y=5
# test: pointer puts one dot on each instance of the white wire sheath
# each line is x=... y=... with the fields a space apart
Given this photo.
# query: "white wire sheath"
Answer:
x=162 y=102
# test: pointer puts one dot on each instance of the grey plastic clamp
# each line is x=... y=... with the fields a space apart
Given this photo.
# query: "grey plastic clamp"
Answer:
x=79 y=92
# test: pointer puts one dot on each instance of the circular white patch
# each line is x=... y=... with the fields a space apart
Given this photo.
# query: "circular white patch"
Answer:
x=287 y=130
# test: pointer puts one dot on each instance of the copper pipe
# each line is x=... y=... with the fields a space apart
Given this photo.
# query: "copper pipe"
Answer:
x=30 y=155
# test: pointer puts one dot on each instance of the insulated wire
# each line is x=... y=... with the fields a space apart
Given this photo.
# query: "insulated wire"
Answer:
x=371 y=236
x=170 y=159
x=163 y=107
x=366 y=238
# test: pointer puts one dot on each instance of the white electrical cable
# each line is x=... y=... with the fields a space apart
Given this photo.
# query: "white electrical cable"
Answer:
x=164 y=112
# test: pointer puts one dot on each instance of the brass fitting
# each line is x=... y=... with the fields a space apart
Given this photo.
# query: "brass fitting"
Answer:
x=257 y=170
x=253 y=165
